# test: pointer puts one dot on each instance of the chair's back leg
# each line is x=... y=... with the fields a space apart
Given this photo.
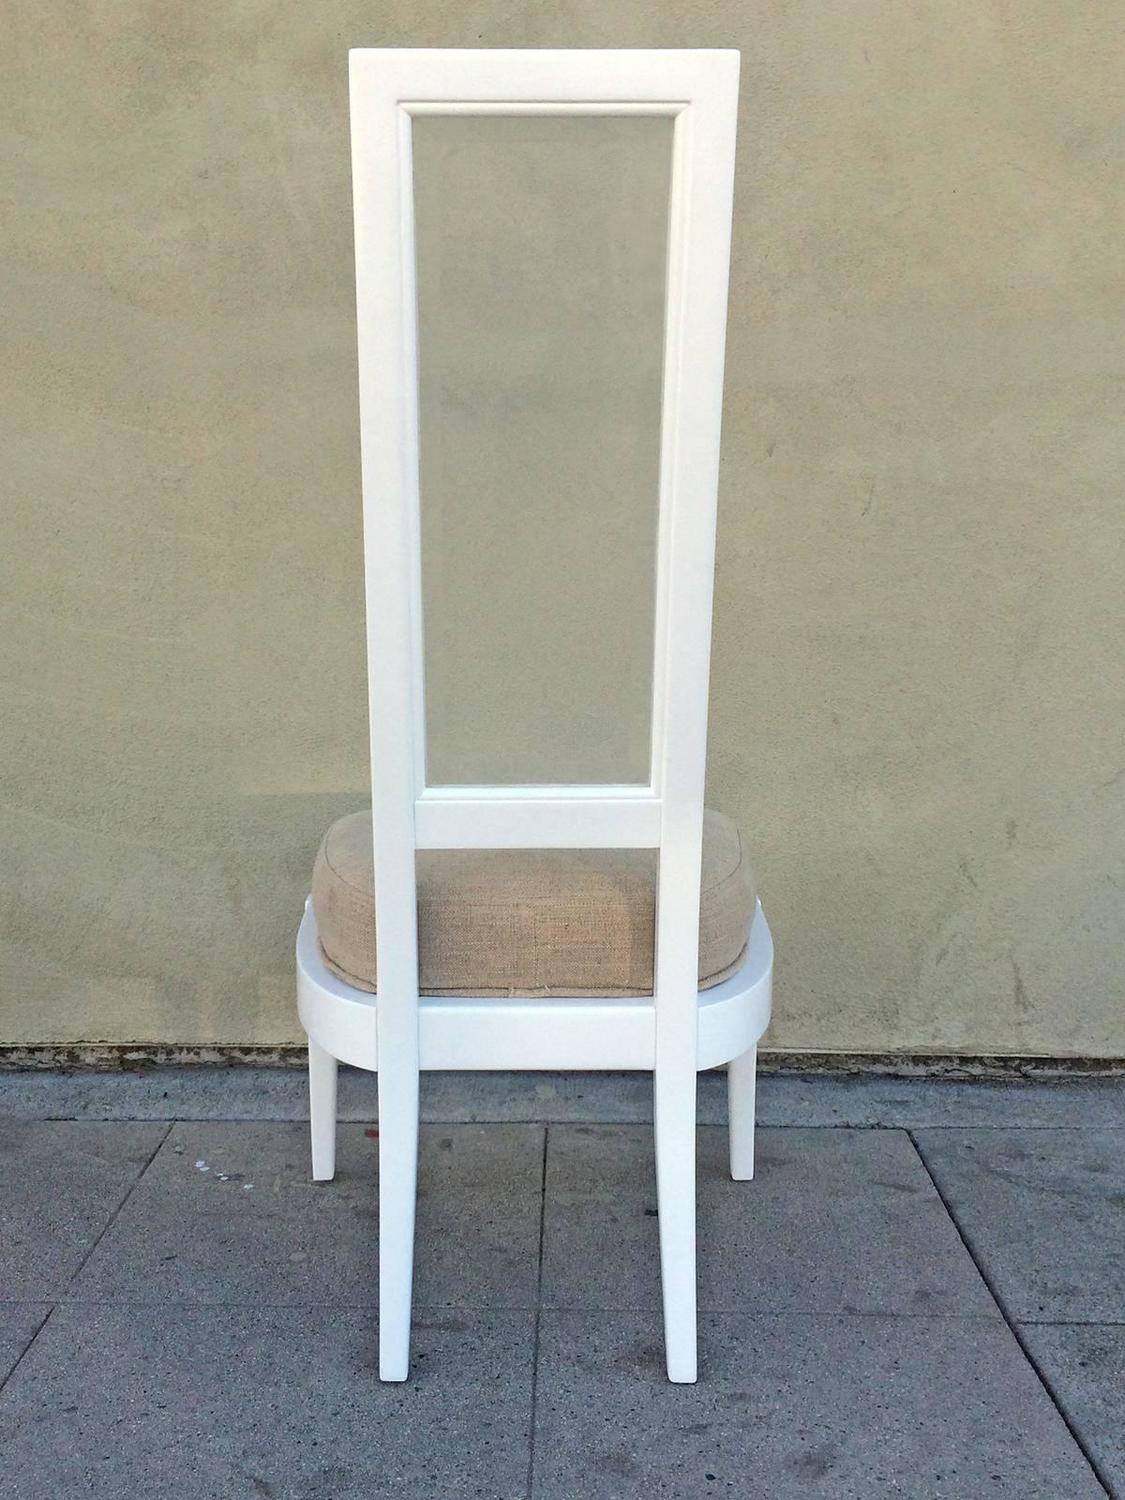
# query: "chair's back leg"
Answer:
x=742 y=1073
x=322 y=1112
x=674 y=1086
x=398 y=1177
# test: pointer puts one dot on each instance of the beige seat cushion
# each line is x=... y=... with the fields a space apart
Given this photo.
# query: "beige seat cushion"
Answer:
x=530 y=921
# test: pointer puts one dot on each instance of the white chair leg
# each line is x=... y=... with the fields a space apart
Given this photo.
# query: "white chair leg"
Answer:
x=398 y=1180
x=742 y=1075
x=674 y=1122
x=322 y=1112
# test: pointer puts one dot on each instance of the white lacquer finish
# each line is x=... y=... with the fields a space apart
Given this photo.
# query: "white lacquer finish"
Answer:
x=678 y=1030
x=463 y=1033
x=742 y=1080
x=537 y=817
x=322 y=1107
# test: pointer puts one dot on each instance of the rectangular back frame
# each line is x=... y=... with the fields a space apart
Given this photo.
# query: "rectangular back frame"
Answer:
x=389 y=88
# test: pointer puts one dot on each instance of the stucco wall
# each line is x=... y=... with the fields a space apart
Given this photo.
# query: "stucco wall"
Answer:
x=918 y=688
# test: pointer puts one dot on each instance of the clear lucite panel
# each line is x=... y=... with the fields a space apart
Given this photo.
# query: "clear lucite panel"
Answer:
x=541 y=248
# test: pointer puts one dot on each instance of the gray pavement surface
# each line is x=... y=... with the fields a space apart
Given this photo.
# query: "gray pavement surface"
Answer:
x=922 y=1294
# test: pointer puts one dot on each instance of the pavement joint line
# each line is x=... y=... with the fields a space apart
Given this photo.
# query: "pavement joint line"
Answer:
x=440 y=1308
x=73 y=1301
x=1013 y=1325
x=1071 y=1322
x=109 y=1223
x=46 y=1318
x=872 y=1125
x=1019 y=1125
x=538 y=1317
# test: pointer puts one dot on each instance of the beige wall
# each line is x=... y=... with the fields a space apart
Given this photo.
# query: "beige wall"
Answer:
x=919 y=693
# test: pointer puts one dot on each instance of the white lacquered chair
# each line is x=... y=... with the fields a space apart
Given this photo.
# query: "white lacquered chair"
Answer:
x=425 y=833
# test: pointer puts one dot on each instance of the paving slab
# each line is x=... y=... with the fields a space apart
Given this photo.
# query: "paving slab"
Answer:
x=1084 y=1365
x=19 y=1323
x=1044 y=1212
x=228 y=1213
x=835 y=1221
x=798 y=1408
x=179 y=1403
x=61 y=1182
x=209 y=1092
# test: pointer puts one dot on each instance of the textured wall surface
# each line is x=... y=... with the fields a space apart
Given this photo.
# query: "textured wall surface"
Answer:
x=918 y=687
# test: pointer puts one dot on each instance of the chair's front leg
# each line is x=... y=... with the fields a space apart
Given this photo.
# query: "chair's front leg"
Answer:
x=742 y=1074
x=322 y=1111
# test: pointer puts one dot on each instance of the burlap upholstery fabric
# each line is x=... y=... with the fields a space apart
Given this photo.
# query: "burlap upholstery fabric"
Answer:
x=537 y=922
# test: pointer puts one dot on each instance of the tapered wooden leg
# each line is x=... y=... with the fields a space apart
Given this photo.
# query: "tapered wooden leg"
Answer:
x=742 y=1076
x=398 y=1174
x=674 y=1120
x=322 y=1112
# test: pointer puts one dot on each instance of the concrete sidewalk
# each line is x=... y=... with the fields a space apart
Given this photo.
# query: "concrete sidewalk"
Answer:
x=922 y=1294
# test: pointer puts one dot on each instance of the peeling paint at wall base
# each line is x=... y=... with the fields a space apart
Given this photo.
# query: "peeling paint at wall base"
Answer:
x=109 y=1058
